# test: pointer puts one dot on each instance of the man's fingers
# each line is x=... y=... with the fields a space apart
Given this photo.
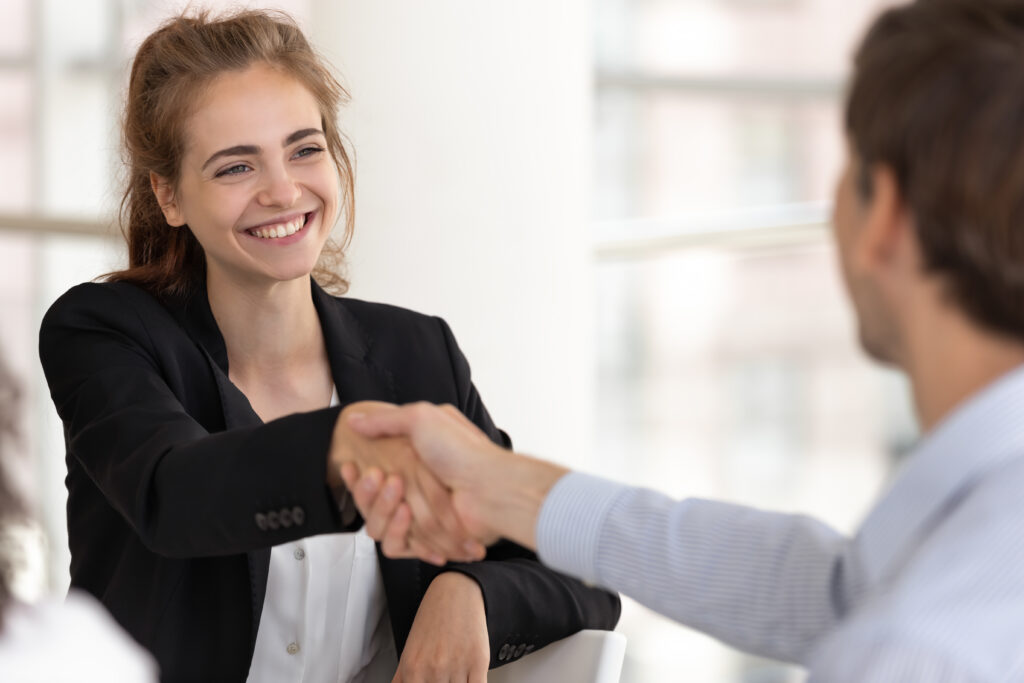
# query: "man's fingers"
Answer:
x=365 y=489
x=399 y=541
x=349 y=474
x=469 y=429
x=425 y=552
x=395 y=543
x=445 y=531
x=384 y=507
x=439 y=499
x=391 y=422
x=457 y=415
x=425 y=528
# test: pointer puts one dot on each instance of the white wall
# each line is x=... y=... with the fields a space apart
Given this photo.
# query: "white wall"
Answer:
x=470 y=122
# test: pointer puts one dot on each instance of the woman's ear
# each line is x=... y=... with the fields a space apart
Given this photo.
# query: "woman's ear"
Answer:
x=164 y=193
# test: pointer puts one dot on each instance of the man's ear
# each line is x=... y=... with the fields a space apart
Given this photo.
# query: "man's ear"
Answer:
x=164 y=193
x=886 y=221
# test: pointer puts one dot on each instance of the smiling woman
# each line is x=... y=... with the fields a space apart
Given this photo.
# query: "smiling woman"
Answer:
x=277 y=187
x=201 y=389
x=179 y=60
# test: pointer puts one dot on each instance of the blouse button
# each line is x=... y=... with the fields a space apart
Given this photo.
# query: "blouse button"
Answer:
x=293 y=648
x=300 y=554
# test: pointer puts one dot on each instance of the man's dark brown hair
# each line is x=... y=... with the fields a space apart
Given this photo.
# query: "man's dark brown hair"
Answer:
x=938 y=96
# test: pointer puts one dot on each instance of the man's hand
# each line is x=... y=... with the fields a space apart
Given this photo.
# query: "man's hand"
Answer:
x=435 y=530
x=454 y=448
x=494 y=492
x=448 y=641
x=389 y=519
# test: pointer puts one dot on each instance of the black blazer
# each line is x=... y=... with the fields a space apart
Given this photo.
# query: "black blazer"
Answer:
x=176 y=488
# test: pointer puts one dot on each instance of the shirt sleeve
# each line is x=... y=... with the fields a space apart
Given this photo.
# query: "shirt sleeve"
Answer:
x=892 y=659
x=765 y=582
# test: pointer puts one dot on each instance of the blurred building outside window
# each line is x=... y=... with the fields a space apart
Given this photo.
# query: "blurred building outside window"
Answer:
x=727 y=357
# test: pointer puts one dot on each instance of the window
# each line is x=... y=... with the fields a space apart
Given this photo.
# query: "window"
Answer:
x=727 y=357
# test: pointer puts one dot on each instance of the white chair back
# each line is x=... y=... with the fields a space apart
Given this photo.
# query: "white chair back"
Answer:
x=585 y=657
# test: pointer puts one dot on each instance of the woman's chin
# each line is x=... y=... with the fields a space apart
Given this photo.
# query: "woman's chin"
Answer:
x=273 y=273
x=292 y=274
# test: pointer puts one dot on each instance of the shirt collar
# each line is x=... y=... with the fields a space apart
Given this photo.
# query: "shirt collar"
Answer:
x=986 y=431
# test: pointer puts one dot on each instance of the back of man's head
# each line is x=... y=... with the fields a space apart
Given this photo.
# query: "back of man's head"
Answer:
x=938 y=96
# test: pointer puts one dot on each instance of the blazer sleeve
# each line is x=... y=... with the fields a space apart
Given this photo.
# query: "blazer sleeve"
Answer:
x=186 y=491
x=528 y=605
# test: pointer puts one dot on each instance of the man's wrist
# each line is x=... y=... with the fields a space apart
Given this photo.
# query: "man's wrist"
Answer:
x=515 y=493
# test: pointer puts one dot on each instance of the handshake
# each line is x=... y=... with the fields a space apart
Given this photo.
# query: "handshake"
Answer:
x=431 y=485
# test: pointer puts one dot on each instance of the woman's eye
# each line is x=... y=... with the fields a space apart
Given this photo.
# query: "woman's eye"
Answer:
x=308 y=151
x=232 y=170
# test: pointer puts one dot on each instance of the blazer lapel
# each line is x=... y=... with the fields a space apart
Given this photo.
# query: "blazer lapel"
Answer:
x=355 y=377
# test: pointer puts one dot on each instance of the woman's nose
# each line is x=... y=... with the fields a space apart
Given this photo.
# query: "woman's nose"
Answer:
x=279 y=189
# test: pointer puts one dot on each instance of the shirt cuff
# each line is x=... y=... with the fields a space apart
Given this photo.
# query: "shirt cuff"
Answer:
x=571 y=521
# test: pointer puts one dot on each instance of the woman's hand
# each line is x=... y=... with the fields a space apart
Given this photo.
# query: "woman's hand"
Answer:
x=436 y=529
x=494 y=493
x=448 y=642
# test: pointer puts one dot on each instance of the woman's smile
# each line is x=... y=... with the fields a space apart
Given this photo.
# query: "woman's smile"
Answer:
x=282 y=231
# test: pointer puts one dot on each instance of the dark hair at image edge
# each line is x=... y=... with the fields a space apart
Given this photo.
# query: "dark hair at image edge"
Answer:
x=938 y=97
x=11 y=506
x=171 y=68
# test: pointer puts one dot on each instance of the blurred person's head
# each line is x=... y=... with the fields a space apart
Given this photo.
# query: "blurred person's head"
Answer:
x=11 y=510
x=202 y=83
x=935 y=125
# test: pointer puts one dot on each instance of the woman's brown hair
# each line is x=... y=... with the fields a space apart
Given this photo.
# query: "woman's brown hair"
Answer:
x=938 y=97
x=170 y=69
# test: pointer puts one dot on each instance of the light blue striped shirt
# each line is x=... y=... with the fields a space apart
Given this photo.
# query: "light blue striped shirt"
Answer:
x=931 y=588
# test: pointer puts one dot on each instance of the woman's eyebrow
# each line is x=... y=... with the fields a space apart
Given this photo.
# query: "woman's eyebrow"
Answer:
x=239 y=150
x=299 y=134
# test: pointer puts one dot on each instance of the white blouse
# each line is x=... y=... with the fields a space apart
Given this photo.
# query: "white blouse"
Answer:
x=325 y=617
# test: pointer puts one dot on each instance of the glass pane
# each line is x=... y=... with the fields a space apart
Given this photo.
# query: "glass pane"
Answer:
x=145 y=17
x=735 y=375
x=671 y=153
x=78 y=32
x=15 y=29
x=79 y=143
x=16 y=131
x=728 y=38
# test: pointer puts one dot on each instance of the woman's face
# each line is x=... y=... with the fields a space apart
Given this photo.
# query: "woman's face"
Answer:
x=258 y=187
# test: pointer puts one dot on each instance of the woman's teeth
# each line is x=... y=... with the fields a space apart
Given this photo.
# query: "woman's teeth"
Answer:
x=272 y=232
